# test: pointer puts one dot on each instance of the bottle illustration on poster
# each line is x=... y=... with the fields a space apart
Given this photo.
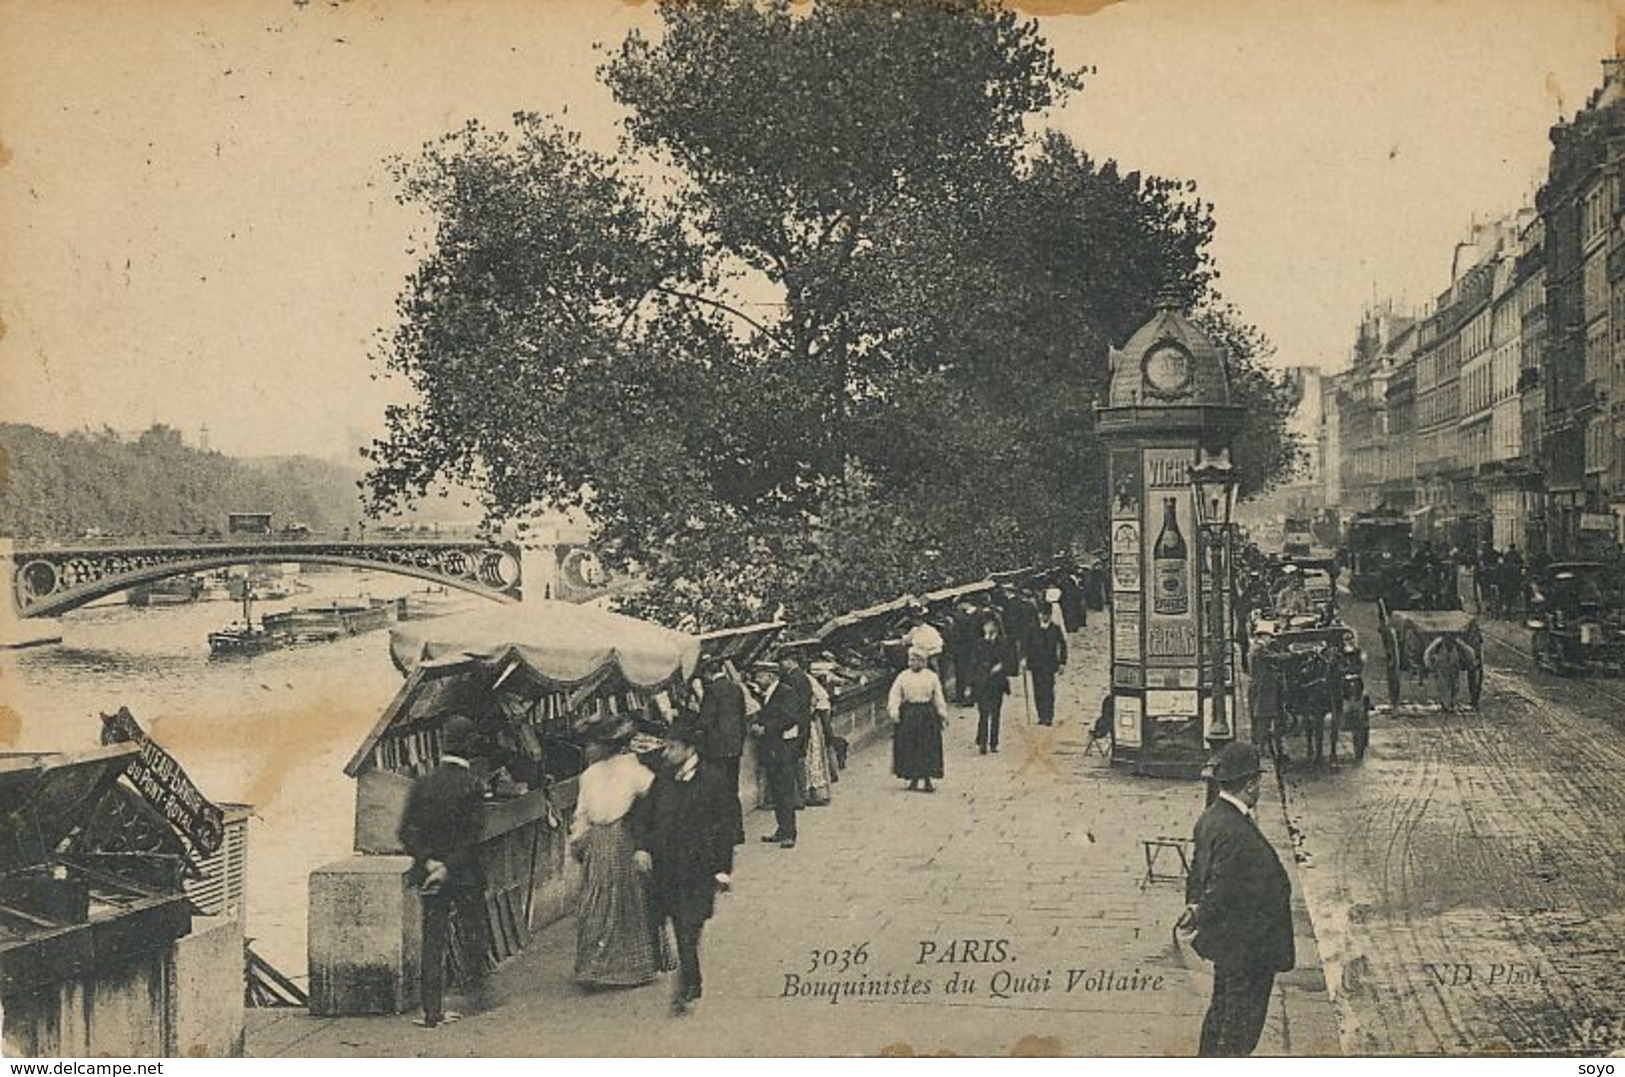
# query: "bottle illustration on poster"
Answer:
x=1168 y=557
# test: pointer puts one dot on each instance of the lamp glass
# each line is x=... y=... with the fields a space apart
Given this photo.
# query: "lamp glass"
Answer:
x=1214 y=485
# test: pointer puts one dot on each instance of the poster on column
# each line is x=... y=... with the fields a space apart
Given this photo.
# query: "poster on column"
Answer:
x=1169 y=548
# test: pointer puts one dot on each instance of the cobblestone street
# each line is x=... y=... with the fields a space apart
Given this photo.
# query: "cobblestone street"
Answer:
x=1038 y=846
x=1465 y=878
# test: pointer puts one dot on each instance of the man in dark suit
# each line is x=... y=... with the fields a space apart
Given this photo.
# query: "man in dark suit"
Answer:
x=1238 y=902
x=793 y=674
x=439 y=829
x=778 y=727
x=685 y=841
x=1046 y=656
x=722 y=723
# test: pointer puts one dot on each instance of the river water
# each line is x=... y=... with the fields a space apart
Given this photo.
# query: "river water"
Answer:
x=272 y=731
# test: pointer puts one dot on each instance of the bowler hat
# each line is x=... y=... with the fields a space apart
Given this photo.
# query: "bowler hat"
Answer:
x=1236 y=761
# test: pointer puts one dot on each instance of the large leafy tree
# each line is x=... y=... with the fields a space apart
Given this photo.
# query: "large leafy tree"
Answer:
x=830 y=325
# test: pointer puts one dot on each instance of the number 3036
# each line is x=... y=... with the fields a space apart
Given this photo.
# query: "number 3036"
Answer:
x=840 y=960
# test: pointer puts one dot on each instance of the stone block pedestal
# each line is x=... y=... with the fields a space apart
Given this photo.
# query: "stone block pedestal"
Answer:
x=365 y=939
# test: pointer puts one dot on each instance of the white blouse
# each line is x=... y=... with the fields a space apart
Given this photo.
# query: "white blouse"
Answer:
x=916 y=686
x=607 y=791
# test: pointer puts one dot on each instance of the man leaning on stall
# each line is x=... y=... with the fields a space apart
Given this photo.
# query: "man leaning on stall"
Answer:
x=1238 y=903
x=440 y=828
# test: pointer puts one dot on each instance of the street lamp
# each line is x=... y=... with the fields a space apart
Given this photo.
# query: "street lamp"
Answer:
x=1214 y=484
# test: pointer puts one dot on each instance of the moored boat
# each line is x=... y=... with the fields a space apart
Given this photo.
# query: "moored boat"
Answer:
x=334 y=620
x=173 y=591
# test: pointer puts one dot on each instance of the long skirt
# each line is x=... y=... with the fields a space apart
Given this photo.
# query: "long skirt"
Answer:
x=917 y=743
x=618 y=938
x=814 y=777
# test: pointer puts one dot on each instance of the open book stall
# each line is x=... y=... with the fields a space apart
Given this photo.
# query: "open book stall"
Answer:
x=538 y=681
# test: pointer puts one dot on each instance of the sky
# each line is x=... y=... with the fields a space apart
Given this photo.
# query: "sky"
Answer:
x=198 y=226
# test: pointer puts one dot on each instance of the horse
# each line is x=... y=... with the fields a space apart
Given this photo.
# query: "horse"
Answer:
x=1317 y=699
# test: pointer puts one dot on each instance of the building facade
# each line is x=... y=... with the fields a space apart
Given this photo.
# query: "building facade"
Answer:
x=1496 y=413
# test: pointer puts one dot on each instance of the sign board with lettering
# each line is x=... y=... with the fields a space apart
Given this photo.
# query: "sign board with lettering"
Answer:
x=1126 y=636
x=164 y=784
x=1126 y=555
x=1180 y=703
x=1128 y=714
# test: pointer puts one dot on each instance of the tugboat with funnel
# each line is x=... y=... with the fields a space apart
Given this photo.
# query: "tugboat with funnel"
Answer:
x=245 y=638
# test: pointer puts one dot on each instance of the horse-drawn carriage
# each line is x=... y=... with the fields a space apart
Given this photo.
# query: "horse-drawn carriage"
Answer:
x=1444 y=642
x=1576 y=624
x=1308 y=678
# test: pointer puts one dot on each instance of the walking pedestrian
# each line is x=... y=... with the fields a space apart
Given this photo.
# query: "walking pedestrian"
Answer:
x=439 y=830
x=1074 y=606
x=1444 y=660
x=685 y=844
x=1238 y=902
x=1046 y=657
x=919 y=709
x=723 y=723
x=777 y=727
x=618 y=939
x=991 y=664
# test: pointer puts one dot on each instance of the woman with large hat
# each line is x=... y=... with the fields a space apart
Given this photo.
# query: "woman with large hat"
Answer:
x=618 y=938
x=920 y=709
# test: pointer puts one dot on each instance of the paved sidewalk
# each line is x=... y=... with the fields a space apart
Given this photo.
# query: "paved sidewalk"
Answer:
x=1033 y=855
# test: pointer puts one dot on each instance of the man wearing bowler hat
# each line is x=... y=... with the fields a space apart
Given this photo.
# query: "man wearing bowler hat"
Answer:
x=440 y=828
x=684 y=835
x=1238 y=903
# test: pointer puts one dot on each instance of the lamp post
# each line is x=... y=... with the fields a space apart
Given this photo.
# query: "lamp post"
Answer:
x=1214 y=484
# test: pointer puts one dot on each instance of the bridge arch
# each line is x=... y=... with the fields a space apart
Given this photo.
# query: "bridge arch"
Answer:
x=51 y=582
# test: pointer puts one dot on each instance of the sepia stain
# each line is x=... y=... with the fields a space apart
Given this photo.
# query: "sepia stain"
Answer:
x=904 y=1050
x=1034 y=1046
x=5 y=154
x=11 y=727
x=284 y=741
x=197 y=1050
x=1555 y=90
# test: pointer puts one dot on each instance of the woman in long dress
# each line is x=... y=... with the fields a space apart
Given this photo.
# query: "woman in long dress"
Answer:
x=817 y=774
x=920 y=710
x=618 y=939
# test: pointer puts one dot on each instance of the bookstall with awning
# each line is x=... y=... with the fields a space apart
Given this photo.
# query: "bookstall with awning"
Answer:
x=538 y=680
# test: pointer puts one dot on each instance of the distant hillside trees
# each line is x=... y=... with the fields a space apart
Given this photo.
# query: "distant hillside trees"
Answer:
x=60 y=486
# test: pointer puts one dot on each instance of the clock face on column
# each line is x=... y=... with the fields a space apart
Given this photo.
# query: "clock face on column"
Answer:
x=1167 y=370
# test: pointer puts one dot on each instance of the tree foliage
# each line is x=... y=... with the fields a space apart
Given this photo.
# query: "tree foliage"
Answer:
x=830 y=325
x=60 y=486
